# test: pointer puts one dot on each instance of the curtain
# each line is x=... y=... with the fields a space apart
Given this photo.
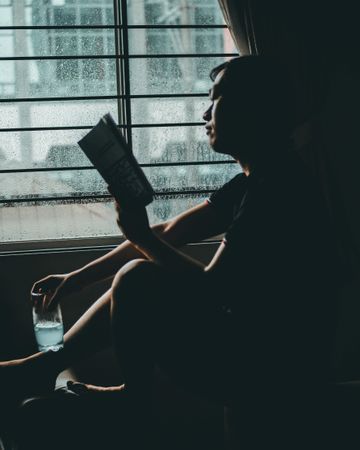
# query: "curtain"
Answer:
x=238 y=20
x=316 y=42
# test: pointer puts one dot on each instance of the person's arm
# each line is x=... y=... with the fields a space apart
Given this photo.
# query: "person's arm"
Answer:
x=198 y=223
x=162 y=248
x=156 y=249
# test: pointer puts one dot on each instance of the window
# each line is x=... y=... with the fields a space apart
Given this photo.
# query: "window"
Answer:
x=65 y=63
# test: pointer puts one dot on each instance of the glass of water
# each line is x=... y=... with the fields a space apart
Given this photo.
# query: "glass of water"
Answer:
x=48 y=325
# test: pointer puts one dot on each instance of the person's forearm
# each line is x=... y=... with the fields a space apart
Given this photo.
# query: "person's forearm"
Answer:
x=198 y=223
x=107 y=265
x=156 y=249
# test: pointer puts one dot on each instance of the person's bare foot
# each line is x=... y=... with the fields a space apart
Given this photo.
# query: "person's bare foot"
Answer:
x=85 y=388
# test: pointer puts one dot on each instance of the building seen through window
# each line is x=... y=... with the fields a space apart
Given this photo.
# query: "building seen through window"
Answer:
x=61 y=70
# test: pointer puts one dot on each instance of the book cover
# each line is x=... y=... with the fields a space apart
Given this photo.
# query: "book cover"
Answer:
x=106 y=148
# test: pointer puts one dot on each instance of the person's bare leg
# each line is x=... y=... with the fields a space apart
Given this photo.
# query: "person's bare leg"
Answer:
x=92 y=389
x=133 y=308
x=88 y=335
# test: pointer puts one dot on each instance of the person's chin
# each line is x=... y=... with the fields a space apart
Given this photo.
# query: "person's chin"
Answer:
x=217 y=147
x=214 y=144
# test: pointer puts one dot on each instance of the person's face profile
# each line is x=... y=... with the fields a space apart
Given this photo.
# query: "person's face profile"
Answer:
x=219 y=119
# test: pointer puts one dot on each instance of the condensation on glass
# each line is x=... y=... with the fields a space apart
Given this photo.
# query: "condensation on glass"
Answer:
x=66 y=76
x=173 y=144
x=87 y=181
x=74 y=219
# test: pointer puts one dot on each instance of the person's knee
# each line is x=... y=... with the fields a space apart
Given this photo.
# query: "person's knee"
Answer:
x=133 y=280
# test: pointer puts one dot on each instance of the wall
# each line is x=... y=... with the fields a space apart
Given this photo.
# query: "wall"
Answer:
x=185 y=421
x=341 y=128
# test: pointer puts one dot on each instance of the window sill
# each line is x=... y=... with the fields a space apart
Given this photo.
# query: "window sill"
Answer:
x=70 y=245
x=60 y=245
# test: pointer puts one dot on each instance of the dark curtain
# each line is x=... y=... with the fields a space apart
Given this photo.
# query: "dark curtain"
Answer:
x=317 y=42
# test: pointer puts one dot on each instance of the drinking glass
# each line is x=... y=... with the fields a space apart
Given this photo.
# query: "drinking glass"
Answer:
x=48 y=325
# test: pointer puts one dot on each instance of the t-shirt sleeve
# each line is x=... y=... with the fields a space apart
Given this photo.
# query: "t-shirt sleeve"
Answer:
x=225 y=198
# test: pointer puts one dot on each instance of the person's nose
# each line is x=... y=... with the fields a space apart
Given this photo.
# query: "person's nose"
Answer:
x=207 y=114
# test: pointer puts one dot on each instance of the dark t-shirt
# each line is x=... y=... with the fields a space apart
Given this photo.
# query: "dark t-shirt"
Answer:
x=282 y=269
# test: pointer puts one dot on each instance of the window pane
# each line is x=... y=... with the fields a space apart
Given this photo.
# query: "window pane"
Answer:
x=64 y=15
x=173 y=144
x=200 y=12
x=171 y=75
x=59 y=149
x=5 y=16
x=63 y=12
x=67 y=77
x=179 y=41
x=58 y=78
x=90 y=16
x=153 y=111
x=7 y=69
x=192 y=177
x=89 y=182
x=54 y=184
x=55 y=114
x=67 y=42
x=167 y=207
x=23 y=222
x=30 y=149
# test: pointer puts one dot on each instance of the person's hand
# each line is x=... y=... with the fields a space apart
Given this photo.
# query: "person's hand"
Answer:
x=134 y=223
x=54 y=288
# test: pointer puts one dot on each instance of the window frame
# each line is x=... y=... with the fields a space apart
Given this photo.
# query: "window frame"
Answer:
x=123 y=97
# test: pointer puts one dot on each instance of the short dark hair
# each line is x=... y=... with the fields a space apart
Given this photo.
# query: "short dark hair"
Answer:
x=263 y=87
x=216 y=70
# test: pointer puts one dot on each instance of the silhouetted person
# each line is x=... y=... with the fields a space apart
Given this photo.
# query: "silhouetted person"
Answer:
x=254 y=328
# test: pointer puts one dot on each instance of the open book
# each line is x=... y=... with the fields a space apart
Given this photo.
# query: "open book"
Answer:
x=106 y=148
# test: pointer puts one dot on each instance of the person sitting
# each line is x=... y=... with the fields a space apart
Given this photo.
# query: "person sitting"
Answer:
x=255 y=326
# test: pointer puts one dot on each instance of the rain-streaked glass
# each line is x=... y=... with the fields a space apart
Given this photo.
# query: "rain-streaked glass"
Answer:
x=178 y=41
x=59 y=148
x=192 y=177
x=173 y=144
x=49 y=220
x=53 y=183
x=69 y=220
x=55 y=114
x=172 y=75
x=163 y=110
x=57 y=42
x=6 y=44
x=31 y=149
x=175 y=12
x=164 y=208
x=89 y=182
x=6 y=16
x=59 y=78
x=62 y=13
x=97 y=77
